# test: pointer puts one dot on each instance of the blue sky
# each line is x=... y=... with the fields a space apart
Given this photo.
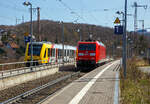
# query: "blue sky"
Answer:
x=98 y=12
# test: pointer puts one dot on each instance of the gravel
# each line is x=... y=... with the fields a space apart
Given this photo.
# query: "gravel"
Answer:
x=19 y=89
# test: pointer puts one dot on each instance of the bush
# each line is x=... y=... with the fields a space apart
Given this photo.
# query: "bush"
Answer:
x=2 y=51
x=20 y=51
x=135 y=89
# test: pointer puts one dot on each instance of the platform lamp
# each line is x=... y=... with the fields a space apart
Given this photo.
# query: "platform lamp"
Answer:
x=29 y=4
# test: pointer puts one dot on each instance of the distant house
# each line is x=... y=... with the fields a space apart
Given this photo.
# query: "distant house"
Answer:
x=1 y=30
x=2 y=33
x=1 y=44
x=12 y=45
x=0 y=37
x=13 y=36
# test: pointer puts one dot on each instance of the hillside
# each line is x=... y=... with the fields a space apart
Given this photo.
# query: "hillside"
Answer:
x=50 y=30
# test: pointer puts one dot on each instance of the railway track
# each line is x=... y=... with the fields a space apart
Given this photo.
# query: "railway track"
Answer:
x=39 y=93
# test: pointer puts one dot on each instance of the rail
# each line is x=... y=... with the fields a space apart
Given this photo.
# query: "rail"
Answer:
x=17 y=68
x=21 y=96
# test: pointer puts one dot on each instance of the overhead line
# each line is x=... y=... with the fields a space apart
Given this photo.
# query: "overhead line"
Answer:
x=72 y=12
x=7 y=18
x=12 y=7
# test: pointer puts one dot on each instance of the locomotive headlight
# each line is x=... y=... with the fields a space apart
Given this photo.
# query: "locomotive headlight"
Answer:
x=81 y=54
x=92 y=54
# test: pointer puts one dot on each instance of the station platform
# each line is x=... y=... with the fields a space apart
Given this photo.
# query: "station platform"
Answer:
x=100 y=86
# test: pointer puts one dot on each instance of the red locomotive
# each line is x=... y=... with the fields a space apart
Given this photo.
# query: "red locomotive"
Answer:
x=90 y=53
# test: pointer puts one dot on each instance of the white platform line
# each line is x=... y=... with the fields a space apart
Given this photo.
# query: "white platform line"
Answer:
x=116 y=93
x=80 y=95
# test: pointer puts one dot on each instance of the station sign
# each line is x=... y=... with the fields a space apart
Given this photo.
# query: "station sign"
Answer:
x=118 y=30
x=26 y=34
x=27 y=39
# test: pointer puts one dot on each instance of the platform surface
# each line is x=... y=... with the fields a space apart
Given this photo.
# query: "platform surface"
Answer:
x=96 y=87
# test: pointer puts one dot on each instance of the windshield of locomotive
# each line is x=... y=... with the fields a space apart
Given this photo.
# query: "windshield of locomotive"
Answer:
x=36 y=49
x=87 y=47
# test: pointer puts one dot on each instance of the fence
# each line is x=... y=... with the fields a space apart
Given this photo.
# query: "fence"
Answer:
x=16 y=68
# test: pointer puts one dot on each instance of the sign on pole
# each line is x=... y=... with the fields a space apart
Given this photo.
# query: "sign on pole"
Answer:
x=117 y=21
x=26 y=34
x=27 y=39
x=118 y=30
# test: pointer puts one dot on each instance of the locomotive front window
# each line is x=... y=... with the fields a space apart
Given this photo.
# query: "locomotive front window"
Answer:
x=36 y=49
x=88 y=47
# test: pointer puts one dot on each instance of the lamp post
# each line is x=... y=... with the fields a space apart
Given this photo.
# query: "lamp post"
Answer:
x=62 y=41
x=124 y=16
x=120 y=12
x=29 y=4
x=142 y=25
x=79 y=31
x=124 y=40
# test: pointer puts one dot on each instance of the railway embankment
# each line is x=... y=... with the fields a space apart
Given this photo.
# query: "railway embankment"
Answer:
x=135 y=89
x=45 y=86
x=21 y=78
x=18 y=77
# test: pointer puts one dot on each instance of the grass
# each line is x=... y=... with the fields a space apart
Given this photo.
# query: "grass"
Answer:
x=135 y=89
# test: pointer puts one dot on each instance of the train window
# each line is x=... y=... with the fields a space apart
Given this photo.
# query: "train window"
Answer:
x=36 y=49
x=53 y=52
x=49 y=52
x=59 y=52
x=67 y=52
x=88 y=47
x=45 y=54
x=72 y=53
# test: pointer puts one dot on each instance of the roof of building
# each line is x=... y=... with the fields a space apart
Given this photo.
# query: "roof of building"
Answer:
x=13 y=45
x=1 y=43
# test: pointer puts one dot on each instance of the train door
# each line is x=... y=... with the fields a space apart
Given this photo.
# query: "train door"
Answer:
x=97 y=53
x=66 y=58
x=49 y=55
x=59 y=56
x=45 y=58
x=56 y=56
x=68 y=55
x=53 y=52
x=100 y=53
x=74 y=54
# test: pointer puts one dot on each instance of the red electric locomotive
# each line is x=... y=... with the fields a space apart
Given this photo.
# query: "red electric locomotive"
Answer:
x=90 y=54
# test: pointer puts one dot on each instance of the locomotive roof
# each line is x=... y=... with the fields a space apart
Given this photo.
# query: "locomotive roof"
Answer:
x=56 y=45
x=59 y=46
x=40 y=43
x=100 y=43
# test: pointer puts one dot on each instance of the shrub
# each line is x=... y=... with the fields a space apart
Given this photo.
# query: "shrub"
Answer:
x=2 y=51
x=135 y=89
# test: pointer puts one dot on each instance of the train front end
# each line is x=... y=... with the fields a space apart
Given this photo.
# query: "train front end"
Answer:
x=37 y=47
x=86 y=54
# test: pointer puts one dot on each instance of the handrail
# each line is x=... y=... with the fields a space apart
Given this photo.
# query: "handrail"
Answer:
x=23 y=69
